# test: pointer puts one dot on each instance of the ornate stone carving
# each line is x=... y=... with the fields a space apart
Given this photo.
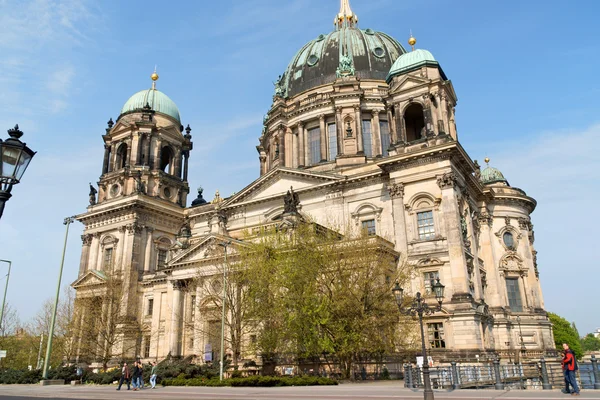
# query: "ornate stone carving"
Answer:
x=447 y=180
x=345 y=68
x=178 y=284
x=134 y=228
x=93 y=192
x=535 y=264
x=290 y=202
x=86 y=239
x=396 y=190
x=507 y=221
x=486 y=218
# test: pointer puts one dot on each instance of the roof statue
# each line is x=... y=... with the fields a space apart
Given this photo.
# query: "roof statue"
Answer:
x=291 y=202
x=346 y=67
x=93 y=192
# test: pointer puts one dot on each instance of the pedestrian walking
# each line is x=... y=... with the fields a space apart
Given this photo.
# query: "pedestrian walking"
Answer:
x=135 y=376
x=153 y=375
x=569 y=366
x=125 y=376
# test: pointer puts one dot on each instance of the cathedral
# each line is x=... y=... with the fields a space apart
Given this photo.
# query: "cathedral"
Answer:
x=364 y=131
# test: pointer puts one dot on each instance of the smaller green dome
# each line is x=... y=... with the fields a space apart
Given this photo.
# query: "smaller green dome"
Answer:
x=411 y=61
x=157 y=100
x=491 y=175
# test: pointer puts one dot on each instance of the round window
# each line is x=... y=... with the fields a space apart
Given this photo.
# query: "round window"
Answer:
x=321 y=37
x=509 y=240
x=312 y=60
x=167 y=193
x=369 y=31
x=114 y=190
x=379 y=52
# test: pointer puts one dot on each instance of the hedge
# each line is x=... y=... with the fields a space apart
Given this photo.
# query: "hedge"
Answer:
x=251 y=381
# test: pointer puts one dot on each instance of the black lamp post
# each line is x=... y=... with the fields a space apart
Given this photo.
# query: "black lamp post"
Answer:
x=419 y=307
x=14 y=160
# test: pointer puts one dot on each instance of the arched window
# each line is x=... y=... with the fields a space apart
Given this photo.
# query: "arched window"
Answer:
x=121 y=156
x=414 y=121
x=166 y=160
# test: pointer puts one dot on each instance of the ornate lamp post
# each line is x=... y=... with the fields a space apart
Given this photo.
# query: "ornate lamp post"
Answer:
x=14 y=160
x=419 y=307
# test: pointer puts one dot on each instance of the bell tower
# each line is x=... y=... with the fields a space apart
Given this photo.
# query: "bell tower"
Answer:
x=146 y=151
x=133 y=223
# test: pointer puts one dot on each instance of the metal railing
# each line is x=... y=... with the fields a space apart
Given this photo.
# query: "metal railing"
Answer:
x=529 y=375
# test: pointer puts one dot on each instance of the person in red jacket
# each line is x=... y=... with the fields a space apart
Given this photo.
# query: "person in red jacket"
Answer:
x=569 y=366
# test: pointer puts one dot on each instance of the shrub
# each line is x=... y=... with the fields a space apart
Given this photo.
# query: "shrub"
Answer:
x=19 y=376
x=252 y=381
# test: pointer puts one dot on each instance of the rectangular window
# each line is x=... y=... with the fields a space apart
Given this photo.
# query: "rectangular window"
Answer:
x=514 y=294
x=147 y=346
x=436 y=335
x=425 y=225
x=150 y=308
x=366 y=137
x=333 y=148
x=369 y=227
x=162 y=259
x=384 y=128
x=107 y=263
x=429 y=278
x=314 y=145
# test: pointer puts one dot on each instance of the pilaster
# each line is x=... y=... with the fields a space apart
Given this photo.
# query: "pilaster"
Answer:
x=396 y=191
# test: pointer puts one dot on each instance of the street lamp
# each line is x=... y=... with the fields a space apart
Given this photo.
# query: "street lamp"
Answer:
x=224 y=300
x=68 y=221
x=5 y=290
x=14 y=160
x=419 y=307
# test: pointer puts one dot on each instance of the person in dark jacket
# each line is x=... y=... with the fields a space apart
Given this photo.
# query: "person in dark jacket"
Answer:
x=135 y=376
x=569 y=367
x=125 y=376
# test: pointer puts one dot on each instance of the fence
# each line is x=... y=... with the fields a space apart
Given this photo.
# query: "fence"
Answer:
x=529 y=375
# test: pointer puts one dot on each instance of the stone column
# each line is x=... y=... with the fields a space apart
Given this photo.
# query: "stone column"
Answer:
x=295 y=150
x=359 y=136
x=156 y=155
x=147 y=157
x=339 y=125
x=176 y=319
x=148 y=267
x=113 y=157
x=305 y=146
x=391 y=124
x=444 y=112
x=452 y=124
x=186 y=155
x=400 y=126
x=263 y=163
x=323 y=138
x=106 y=160
x=451 y=217
x=177 y=164
x=396 y=191
x=95 y=256
x=198 y=349
x=301 y=149
x=85 y=253
x=135 y=148
x=288 y=148
x=128 y=157
x=376 y=132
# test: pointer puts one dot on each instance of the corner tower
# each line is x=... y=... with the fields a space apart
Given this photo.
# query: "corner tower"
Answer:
x=145 y=151
x=134 y=222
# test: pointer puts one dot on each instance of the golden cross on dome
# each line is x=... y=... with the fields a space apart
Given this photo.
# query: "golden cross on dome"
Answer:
x=345 y=18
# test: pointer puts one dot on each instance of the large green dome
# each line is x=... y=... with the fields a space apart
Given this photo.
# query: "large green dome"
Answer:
x=157 y=100
x=372 y=54
x=410 y=61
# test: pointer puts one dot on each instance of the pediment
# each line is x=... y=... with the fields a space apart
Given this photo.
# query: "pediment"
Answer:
x=278 y=182
x=205 y=249
x=90 y=278
x=408 y=82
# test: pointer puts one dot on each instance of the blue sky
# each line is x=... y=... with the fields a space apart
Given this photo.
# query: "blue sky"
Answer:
x=524 y=72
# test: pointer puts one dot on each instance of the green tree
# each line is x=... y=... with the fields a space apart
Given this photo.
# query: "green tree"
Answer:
x=564 y=333
x=590 y=343
x=315 y=292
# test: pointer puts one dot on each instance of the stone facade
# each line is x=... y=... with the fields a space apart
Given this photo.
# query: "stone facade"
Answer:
x=358 y=152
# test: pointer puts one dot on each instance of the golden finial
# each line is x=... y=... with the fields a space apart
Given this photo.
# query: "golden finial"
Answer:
x=487 y=160
x=412 y=41
x=154 y=78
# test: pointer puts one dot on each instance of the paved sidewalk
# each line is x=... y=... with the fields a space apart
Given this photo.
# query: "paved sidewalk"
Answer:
x=367 y=391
